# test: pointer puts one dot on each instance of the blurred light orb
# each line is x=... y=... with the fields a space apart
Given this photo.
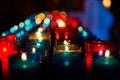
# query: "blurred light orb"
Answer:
x=85 y=33
x=4 y=34
x=15 y=27
x=107 y=3
x=80 y=29
x=21 y=24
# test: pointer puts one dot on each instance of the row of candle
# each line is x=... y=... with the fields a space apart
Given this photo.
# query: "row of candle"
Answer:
x=65 y=48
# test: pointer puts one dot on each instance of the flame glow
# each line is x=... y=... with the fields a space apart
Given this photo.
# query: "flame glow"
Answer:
x=24 y=56
x=65 y=42
x=107 y=53
x=33 y=49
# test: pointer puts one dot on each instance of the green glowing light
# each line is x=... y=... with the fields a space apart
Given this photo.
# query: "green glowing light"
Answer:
x=106 y=61
x=80 y=29
x=24 y=66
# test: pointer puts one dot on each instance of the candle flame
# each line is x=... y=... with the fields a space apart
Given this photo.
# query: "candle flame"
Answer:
x=61 y=23
x=33 y=49
x=66 y=48
x=107 y=53
x=24 y=56
x=65 y=42
x=4 y=49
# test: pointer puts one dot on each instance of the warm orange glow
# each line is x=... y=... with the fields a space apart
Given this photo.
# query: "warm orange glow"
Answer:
x=66 y=35
x=107 y=53
x=24 y=56
x=57 y=35
x=4 y=49
x=38 y=20
x=107 y=3
x=61 y=23
x=40 y=15
x=38 y=34
x=63 y=14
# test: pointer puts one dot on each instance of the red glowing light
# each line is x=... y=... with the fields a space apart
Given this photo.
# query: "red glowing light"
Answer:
x=97 y=45
x=88 y=61
x=72 y=22
x=7 y=47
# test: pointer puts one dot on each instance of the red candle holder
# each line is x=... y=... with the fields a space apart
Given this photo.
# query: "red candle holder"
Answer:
x=97 y=45
x=7 y=48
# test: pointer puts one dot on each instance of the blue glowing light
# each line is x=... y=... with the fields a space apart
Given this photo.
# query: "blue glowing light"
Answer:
x=38 y=45
x=22 y=32
x=85 y=34
x=18 y=35
x=66 y=63
x=12 y=30
x=66 y=53
x=4 y=34
x=46 y=25
x=28 y=27
x=40 y=40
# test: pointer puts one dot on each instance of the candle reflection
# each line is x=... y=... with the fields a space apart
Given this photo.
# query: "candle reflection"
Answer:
x=88 y=62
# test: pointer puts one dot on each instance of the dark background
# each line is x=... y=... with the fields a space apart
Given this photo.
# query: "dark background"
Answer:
x=14 y=11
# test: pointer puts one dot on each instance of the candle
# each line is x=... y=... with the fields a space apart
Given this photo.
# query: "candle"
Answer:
x=66 y=53
x=24 y=67
x=24 y=62
x=67 y=47
x=106 y=60
x=24 y=56
x=100 y=58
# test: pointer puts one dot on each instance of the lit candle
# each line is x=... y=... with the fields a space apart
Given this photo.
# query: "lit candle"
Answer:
x=107 y=53
x=23 y=62
x=33 y=50
x=67 y=47
x=24 y=56
x=107 y=59
x=65 y=53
